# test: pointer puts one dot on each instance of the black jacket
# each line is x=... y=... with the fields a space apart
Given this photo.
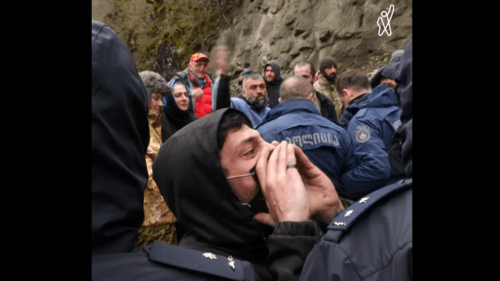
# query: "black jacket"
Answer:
x=403 y=137
x=120 y=137
x=327 y=108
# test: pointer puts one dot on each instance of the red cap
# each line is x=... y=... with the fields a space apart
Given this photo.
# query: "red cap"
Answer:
x=198 y=57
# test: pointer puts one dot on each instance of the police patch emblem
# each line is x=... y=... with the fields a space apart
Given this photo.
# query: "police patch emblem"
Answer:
x=362 y=134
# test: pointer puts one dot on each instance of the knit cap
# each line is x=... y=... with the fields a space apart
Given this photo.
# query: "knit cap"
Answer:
x=154 y=82
x=325 y=64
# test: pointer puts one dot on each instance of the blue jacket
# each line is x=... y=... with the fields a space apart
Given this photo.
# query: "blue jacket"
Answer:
x=326 y=144
x=256 y=116
x=374 y=117
x=223 y=99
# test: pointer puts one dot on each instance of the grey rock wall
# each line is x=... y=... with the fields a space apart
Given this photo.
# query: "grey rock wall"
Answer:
x=291 y=31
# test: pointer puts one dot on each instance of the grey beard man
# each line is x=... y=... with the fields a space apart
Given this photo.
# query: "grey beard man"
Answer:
x=259 y=104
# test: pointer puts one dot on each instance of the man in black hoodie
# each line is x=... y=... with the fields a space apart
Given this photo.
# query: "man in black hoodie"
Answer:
x=210 y=172
x=273 y=80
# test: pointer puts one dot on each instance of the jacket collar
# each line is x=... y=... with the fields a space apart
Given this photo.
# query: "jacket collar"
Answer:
x=381 y=96
x=292 y=106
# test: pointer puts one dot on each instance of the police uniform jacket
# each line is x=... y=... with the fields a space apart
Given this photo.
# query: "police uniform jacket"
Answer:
x=370 y=240
x=326 y=144
x=375 y=117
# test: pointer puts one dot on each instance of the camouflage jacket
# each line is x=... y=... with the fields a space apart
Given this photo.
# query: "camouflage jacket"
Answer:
x=329 y=90
x=156 y=211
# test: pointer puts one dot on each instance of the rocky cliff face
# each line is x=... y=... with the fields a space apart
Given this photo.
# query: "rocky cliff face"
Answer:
x=291 y=31
x=257 y=31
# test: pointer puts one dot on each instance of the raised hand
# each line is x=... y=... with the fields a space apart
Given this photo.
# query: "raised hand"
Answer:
x=285 y=193
x=221 y=59
x=294 y=194
x=324 y=201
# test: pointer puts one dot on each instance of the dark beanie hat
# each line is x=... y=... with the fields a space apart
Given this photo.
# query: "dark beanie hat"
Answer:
x=326 y=63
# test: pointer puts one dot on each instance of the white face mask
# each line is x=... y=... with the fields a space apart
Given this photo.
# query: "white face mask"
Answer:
x=258 y=203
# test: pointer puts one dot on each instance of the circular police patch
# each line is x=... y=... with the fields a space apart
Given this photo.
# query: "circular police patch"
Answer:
x=362 y=134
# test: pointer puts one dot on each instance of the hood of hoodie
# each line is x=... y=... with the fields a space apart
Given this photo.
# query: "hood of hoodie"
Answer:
x=381 y=96
x=120 y=137
x=404 y=134
x=389 y=71
x=277 y=70
x=190 y=176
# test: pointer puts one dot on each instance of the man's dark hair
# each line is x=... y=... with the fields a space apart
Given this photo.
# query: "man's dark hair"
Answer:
x=232 y=120
x=246 y=65
x=353 y=78
x=311 y=66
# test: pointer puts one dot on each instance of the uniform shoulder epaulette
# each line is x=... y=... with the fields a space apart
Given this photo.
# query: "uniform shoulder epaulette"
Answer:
x=348 y=217
x=199 y=261
x=361 y=112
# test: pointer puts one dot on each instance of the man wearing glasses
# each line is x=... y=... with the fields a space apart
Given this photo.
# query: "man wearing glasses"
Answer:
x=198 y=83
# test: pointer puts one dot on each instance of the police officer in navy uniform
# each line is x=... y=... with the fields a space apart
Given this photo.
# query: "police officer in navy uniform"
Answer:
x=297 y=120
x=372 y=238
x=120 y=136
x=371 y=117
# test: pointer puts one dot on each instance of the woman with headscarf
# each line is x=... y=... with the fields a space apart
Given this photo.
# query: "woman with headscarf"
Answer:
x=176 y=114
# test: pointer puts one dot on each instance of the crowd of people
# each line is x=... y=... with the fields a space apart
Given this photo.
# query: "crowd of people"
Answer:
x=303 y=178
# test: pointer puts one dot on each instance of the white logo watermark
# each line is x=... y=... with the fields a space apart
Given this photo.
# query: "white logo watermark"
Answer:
x=381 y=23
